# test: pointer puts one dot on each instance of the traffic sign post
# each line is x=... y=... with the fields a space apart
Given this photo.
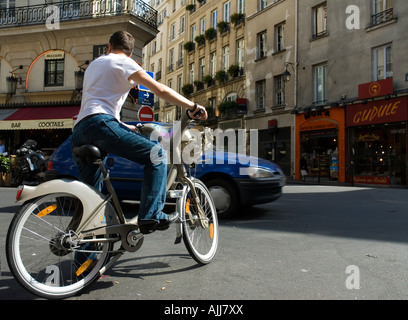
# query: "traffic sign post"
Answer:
x=145 y=113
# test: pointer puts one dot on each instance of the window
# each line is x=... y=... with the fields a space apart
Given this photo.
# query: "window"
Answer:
x=213 y=63
x=260 y=94
x=54 y=73
x=193 y=32
x=171 y=60
x=7 y=8
x=261 y=45
x=241 y=6
x=240 y=56
x=191 y=72
x=214 y=19
x=201 y=70
x=172 y=31
x=182 y=24
x=203 y=22
x=181 y=55
x=320 y=84
x=225 y=58
x=179 y=83
x=382 y=62
x=227 y=11
x=382 y=11
x=279 y=37
x=263 y=4
x=320 y=20
x=279 y=91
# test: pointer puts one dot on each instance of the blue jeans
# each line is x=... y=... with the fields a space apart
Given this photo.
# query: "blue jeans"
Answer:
x=110 y=136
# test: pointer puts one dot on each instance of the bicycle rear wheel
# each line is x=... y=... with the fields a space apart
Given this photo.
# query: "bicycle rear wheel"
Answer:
x=40 y=254
x=201 y=242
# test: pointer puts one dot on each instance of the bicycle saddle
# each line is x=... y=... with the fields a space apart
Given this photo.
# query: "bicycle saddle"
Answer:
x=87 y=153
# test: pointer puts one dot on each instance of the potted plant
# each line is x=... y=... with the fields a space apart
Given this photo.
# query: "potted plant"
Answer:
x=237 y=18
x=199 y=85
x=189 y=46
x=210 y=34
x=200 y=40
x=190 y=7
x=221 y=76
x=234 y=70
x=5 y=169
x=208 y=80
x=187 y=89
x=226 y=107
x=223 y=27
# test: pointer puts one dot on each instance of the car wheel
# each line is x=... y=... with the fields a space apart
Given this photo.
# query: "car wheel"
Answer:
x=225 y=197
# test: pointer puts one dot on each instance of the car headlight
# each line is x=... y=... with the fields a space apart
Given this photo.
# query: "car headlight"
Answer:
x=257 y=172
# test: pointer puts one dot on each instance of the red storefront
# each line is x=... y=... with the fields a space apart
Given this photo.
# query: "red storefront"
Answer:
x=377 y=136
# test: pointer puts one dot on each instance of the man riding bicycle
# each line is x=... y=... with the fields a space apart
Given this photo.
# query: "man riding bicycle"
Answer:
x=107 y=82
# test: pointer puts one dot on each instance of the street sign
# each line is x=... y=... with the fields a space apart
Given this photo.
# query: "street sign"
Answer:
x=146 y=98
x=145 y=114
x=140 y=87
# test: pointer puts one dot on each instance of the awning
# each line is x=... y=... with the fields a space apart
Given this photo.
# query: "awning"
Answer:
x=59 y=117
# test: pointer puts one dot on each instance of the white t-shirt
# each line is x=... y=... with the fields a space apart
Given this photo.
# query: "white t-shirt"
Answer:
x=106 y=85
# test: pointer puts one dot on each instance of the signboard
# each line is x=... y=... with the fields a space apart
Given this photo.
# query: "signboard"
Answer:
x=375 y=89
x=54 y=55
x=140 y=87
x=375 y=112
x=36 y=124
x=145 y=114
x=146 y=98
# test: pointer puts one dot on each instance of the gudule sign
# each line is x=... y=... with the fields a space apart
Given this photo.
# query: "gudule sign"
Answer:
x=375 y=112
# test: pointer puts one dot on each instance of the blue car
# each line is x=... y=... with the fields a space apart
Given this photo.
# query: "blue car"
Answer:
x=231 y=185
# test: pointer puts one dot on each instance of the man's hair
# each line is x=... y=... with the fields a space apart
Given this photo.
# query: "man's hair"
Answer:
x=123 y=41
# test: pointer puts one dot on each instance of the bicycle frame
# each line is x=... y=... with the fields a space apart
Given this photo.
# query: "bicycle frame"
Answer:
x=99 y=209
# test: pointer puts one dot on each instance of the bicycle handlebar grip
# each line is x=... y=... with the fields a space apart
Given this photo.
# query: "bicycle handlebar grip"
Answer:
x=196 y=116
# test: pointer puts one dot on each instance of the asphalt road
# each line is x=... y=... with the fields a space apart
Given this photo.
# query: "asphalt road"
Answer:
x=314 y=243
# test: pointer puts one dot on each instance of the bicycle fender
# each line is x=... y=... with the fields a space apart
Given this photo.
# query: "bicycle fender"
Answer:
x=90 y=197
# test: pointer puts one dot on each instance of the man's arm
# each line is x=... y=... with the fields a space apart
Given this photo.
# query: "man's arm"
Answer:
x=166 y=93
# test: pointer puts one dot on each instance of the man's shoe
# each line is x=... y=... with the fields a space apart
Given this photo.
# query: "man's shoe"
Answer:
x=164 y=224
x=147 y=226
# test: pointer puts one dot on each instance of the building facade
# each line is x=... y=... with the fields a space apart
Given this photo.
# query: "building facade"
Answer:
x=351 y=115
x=44 y=50
x=271 y=78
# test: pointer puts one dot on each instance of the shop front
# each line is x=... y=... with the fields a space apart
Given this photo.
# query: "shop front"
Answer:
x=320 y=140
x=48 y=126
x=377 y=132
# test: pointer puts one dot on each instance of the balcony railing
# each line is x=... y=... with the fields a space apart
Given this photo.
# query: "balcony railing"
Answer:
x=382 y=17
x=75 y=10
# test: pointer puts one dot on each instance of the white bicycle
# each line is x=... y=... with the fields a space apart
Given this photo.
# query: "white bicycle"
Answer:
x=63 y=237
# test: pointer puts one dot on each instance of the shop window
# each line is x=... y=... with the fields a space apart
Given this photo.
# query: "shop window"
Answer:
x=382 y=63
x=380 y=151
x=54 y=73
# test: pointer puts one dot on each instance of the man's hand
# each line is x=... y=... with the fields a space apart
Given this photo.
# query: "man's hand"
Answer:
x=200 y=112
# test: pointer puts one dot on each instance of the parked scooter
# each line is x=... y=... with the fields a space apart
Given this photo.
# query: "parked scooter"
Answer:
x=31 y=165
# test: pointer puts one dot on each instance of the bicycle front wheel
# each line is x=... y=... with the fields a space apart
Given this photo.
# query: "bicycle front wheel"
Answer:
x=201 y=239
x=40 y=254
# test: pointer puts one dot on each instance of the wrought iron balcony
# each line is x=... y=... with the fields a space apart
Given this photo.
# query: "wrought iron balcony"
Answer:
x=75 y=10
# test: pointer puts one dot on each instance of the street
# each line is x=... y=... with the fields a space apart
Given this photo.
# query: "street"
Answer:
x=314 y=243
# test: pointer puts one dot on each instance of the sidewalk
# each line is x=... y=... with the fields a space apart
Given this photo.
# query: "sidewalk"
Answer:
x=328 y=182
